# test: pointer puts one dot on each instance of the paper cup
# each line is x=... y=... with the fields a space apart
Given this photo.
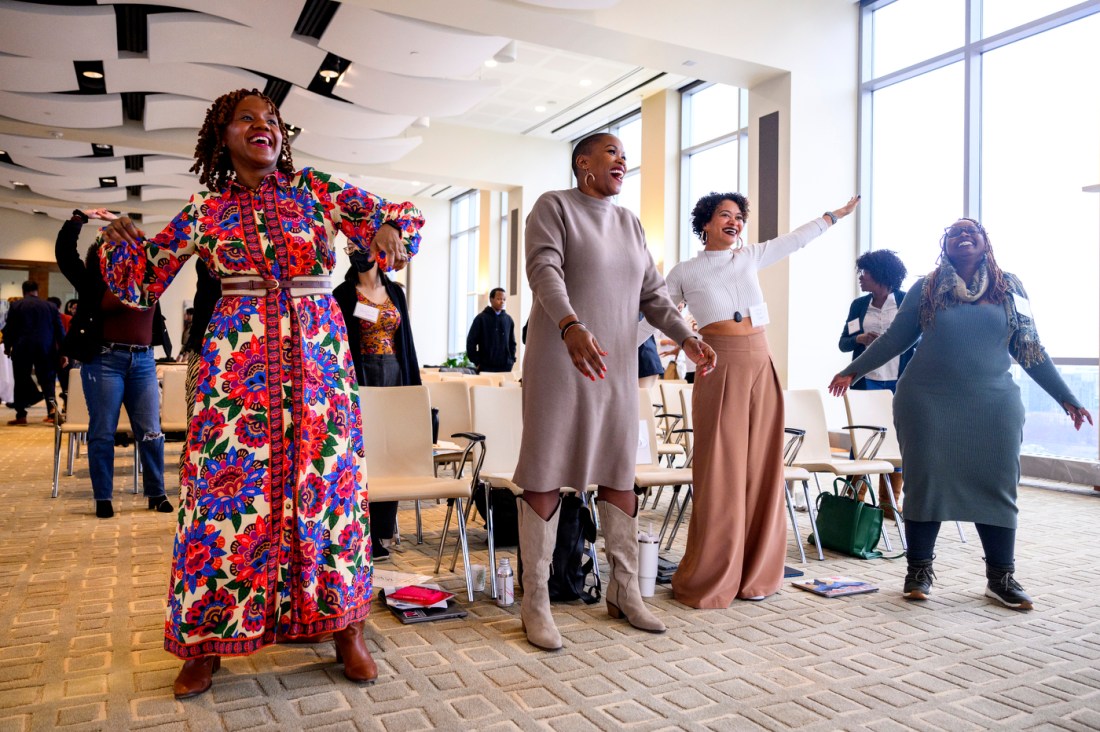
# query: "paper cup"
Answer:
x=477 y=573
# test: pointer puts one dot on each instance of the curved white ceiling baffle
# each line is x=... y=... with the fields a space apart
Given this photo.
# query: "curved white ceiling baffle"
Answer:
x=172 y=39
x=38 y=181
x=91 y=111
x=18 y=74
x=168 y=111
x=203 y=81
x=412 y=95
x=334 y=118
x=87 y=195
x=271 y=15
x=364 y=152
x=167 y=165
x=405 y=46
x=45 y=147
x=573 y=4
x=99 y=167
x=76 y=33
x=169 y=193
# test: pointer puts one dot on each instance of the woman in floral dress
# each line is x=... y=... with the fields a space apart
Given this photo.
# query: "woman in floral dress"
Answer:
x=273 y=539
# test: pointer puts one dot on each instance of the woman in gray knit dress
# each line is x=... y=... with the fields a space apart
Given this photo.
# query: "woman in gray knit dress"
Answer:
x=591 y=274
x=957 y=411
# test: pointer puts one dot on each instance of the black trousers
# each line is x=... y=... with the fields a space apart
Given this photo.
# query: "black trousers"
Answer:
x=23 y=362
x=380 y=371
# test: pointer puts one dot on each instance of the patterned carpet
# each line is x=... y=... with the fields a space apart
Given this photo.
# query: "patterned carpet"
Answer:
x=82 y=607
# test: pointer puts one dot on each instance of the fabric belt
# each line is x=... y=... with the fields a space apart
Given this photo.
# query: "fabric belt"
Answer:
x=295 y=286
x=128 y=347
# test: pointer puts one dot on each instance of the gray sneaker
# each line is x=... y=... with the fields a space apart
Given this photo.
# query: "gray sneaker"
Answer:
x=918 y=580
x=1004 y=588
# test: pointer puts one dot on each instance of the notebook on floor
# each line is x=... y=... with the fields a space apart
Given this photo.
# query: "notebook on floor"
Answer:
x=409 y=615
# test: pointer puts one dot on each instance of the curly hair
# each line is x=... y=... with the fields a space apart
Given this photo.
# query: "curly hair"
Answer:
x=212 y=162
x=884 y=267
x=708 y=204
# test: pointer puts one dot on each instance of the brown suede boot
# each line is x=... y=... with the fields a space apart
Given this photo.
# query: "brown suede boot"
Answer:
x=536 y=545
x=351 y=650
x=195 y=676
x=624 y=599
x=883 y=497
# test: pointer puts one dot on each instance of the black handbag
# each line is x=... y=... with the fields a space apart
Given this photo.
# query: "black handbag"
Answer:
x=572 y=575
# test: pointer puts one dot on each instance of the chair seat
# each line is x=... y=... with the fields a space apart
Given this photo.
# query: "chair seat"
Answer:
x=651 y=477
x=501 y=480
x=847 y=467
x=408 y=488
x=670 y=449
x=791 y=473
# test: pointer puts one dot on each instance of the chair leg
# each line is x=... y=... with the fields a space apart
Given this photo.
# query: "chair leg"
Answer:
x=794 y=520
x=469 y=511
x=419 y=524
x=443 y=534
x=491 y=569
x=673 y=504
x=56 y=460
x=74 y=448
x=813 y=519
x=680 y=516
x=657 y=497
x=899 y=518
x=463 y=540
x=962 y=537
x=137 y=465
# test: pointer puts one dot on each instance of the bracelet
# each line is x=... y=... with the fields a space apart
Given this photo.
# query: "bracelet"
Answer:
x=569 y=325
x=831 y=216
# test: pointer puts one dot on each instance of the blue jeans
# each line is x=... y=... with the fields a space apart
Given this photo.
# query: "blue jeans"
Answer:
x=113 y=379
x=874 y=385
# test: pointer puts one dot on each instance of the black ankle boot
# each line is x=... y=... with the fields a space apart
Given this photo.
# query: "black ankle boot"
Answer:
x=160 y=504
x=1004 y=588
x=918 y=580
x=104 y=509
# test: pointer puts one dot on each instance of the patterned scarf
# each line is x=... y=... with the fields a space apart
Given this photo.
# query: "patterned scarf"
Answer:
x=950 y=290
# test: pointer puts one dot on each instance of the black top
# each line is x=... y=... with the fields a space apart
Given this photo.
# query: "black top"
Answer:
x=491 y=342
x=858 y=311
x=208 y=291
x=85 y=336
x=33 y=327
x=403 y=346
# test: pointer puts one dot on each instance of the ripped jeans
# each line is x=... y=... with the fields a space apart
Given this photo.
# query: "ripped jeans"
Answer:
x=113 y=379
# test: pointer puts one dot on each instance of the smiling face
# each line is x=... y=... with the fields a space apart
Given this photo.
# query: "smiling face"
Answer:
x=725 y=225
x=602 y=168
x=253 y=139
x=965 y=243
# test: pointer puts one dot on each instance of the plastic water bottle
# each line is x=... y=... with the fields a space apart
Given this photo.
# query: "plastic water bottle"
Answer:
x=506 y=591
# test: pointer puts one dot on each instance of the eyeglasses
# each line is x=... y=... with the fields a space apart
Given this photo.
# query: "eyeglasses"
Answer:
x=954 y=231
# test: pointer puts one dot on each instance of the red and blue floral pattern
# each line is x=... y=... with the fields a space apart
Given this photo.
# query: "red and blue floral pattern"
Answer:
x=273 y=536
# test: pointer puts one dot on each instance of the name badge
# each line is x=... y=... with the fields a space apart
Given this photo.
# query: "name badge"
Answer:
x=759 y=314
x=1023 y=307
x=366 y=312
x=853 y=326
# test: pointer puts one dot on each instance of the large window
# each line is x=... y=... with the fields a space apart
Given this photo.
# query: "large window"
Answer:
x=988 y=109
x=715 y=149
x=464 y=255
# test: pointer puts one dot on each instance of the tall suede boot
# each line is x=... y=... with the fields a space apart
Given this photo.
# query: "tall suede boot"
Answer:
x=624 y=599
x=536 y=544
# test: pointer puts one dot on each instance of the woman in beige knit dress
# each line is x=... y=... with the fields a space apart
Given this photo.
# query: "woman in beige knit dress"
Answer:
x=591 y=275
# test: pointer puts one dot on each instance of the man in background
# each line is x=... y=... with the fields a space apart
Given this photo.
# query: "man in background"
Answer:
x=32 y=338
x=491 y=342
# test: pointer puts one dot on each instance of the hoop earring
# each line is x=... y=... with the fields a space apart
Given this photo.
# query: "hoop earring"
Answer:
x=587 y=175
x=703 y=237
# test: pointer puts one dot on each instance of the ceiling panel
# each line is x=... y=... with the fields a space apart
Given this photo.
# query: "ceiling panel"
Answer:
x=167 y=111
x=97 y=196
x=46 y=147
x=63 y=110
x=363 y=152
x=47 y=31
x=200 y=80
x=270 y=15
x=573 y=4
x=19 y=74
x=172 y=38
x=89 y=166
x=411 y=95
x=406 y=46
x=332 y=117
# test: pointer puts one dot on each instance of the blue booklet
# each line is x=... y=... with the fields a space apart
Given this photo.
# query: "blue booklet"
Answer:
x=835 y=586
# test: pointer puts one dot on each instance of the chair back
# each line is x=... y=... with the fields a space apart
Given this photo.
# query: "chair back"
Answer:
x=479 y=380
x=76 y=406
x=647 y=430
x=805 y=411
x=452 y=399
x=429 y=376
x=875 y=408
x=498 y=414
x=402 y=447
x=687 y=422
x=495 y=378
x=173 y=402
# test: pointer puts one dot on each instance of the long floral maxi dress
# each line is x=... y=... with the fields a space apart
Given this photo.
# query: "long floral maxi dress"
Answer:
x=273 y=537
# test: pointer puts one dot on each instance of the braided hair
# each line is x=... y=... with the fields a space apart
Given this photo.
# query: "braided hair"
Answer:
x=212 y=161
x=935 y=297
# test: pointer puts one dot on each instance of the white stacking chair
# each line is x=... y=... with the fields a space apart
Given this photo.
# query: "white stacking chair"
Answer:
x=399 y=461
x=173 y=400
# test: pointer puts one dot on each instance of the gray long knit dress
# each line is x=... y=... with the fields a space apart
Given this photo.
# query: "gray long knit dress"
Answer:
x=586 y=256
x=958 y=414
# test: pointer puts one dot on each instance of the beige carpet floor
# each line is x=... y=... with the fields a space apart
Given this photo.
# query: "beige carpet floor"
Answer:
x=82 y=607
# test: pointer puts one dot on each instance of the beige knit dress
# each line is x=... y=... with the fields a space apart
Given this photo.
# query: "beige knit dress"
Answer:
x=586 y=256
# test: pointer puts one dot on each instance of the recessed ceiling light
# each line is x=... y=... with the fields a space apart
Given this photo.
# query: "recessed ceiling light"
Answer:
x=92 y=75
x=490 y=63
x=415 y=183
x=586 y=82
x=19 y=184
x=540 y=108
x=35 y=210
x=328 y=74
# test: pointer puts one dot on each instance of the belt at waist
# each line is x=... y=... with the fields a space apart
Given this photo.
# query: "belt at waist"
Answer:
x=258 y=286
x=128 y=347
x=731 y=327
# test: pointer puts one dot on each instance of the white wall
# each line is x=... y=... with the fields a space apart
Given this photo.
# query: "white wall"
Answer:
x=429 y=278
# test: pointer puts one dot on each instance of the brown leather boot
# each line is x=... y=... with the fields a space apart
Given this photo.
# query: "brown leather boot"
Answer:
x=894 y=479
x=307 y=640
x=195 y=676
x=351 y=651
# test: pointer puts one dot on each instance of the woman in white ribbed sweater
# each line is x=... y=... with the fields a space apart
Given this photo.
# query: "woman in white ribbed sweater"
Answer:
x=737 y=537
